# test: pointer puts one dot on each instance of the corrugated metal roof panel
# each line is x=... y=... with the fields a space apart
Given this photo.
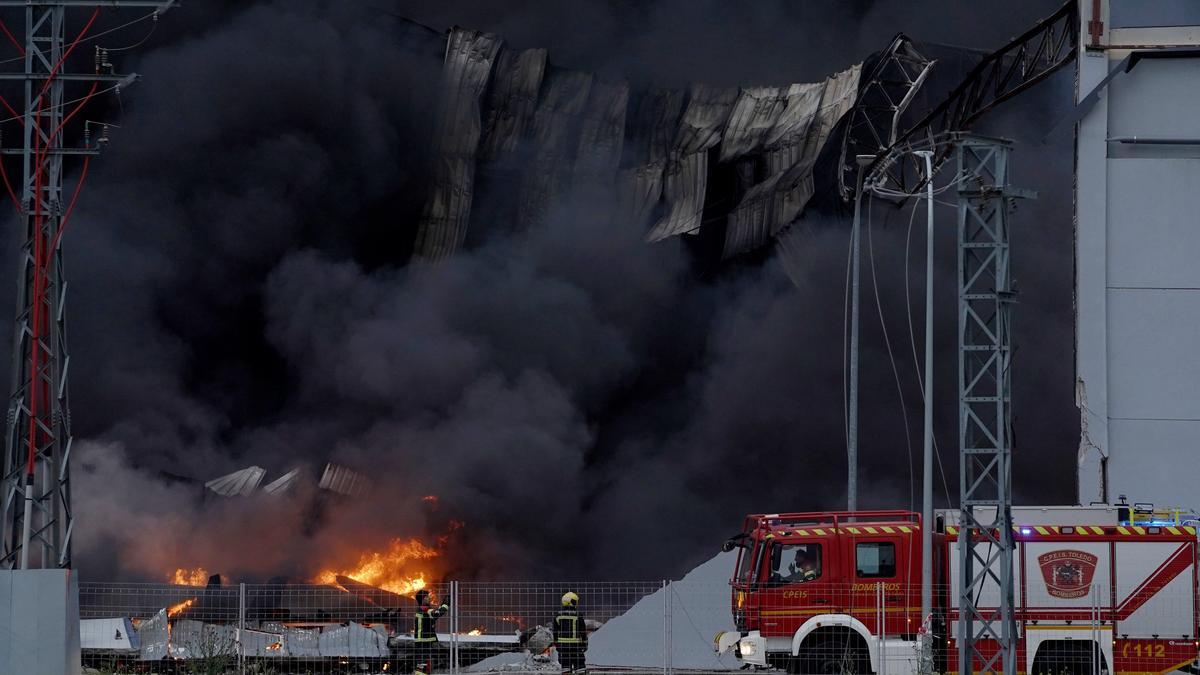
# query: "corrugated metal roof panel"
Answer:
x=282 y=484
x=443 y=225
x=343 y=481
x=511 y=105
x=768 y=207
x=788 y=141
x=239 y=483
x=704 y=118
x=683 y=189
x=602 y=131
x=559 y=112
x=639 y=189
x=652 y=126
x=755 y=114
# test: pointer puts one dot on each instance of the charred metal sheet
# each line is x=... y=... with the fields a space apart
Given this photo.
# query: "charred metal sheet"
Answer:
x=343 y=481
x=651 y=128
x=259 y=643
x=443 y=225
x=512 y=102
x=303 y=642
x=281 y=485
x=704 y=118
x=684 y=183
x=792 y=148
x=649 y=134
x=353 y=640
x=564 y=98
x=155 y=637
x=786 y=142
x=837 y=98
x=239 y=483
x=768 y=207
x=639 y=190
x=755 y=114
x=547 y=130
x=602 y=131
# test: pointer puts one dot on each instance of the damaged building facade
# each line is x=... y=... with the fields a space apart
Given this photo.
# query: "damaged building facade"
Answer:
x=516 y=134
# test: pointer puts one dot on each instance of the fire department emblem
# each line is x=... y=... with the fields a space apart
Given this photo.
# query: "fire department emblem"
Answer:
x=1068 y=574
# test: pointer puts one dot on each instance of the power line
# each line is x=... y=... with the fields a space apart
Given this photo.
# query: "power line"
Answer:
x=912 y=340
x=891 y=357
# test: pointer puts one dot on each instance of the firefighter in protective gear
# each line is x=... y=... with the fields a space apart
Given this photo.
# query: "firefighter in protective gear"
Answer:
x=425 y=632
x=802 y=569
x=570 y=635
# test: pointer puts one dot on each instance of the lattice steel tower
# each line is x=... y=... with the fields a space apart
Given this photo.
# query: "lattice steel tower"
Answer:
x=987 y=638
x=37 y=520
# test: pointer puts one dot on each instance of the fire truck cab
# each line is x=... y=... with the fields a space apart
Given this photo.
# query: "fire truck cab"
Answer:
x=840 y=592
x=814 y=592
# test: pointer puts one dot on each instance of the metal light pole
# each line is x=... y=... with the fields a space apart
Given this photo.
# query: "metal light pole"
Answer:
x=926 y=661
x=852 y=431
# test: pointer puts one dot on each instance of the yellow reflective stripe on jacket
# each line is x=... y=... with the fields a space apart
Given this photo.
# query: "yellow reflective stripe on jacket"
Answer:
x=573 y=624
x=418 y=629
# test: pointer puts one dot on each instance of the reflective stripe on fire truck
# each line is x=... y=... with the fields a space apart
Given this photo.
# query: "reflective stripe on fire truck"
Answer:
x=1086 y=530
x=906 y=529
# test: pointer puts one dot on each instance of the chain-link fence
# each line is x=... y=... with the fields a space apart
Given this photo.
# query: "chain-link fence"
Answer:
x=801 y=624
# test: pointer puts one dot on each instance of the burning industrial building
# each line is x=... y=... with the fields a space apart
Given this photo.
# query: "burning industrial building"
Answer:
x=554 y=378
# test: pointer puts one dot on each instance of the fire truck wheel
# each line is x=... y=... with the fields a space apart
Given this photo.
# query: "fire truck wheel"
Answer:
x=832 y=651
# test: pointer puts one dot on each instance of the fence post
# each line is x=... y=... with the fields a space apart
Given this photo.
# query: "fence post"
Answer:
x=666 y=591
x=1097 y=651
x=880 y=626
x=241 y=651
x=455 y=619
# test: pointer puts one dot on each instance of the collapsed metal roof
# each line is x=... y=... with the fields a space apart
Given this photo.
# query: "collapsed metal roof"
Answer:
x=239 y=483
x=511 y=116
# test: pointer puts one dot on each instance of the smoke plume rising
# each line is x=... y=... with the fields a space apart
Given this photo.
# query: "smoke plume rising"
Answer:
x=587 y=404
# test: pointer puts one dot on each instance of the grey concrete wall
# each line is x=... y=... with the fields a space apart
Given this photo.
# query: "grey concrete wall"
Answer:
x=1138 y=277
x=39 y=622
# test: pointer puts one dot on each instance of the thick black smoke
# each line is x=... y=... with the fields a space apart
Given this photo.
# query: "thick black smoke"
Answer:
x=585 y=403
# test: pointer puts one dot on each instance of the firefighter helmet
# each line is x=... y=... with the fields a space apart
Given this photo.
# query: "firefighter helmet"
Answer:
x=570 y=599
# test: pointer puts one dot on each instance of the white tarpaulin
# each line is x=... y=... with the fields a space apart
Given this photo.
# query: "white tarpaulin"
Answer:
x=699 y=610
x=116 y=634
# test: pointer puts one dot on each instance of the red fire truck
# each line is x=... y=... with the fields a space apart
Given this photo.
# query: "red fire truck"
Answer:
x=840 y=592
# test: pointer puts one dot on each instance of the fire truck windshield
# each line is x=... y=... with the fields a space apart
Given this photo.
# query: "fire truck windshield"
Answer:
x=746 y=556
x=795 y=563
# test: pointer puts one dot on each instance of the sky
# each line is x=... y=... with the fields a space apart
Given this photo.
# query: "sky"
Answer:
x=585 y=404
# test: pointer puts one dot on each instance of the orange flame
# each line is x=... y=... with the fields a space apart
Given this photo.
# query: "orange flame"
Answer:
x=520 y=622
x=177 y=608
x=475 y=631
x=392 y=569
x=183 y=576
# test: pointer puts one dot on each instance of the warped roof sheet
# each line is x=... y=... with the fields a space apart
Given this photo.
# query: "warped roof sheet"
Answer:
x=537 y=131
x=344 y=481
x=239 y=483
